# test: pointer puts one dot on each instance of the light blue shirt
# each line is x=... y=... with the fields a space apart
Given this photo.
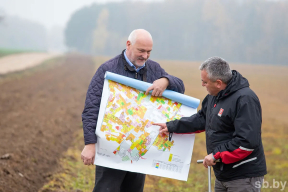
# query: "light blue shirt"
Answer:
x=131 y=64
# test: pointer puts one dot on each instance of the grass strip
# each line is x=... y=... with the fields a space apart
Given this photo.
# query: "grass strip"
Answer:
x=5 y=52
x=73 y=174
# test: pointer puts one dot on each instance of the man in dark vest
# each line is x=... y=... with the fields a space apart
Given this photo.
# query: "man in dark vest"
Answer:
x=134 y=63
x=231 y=116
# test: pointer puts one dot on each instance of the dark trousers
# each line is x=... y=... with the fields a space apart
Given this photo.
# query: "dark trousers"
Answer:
x=113 y=180
x=240 y=185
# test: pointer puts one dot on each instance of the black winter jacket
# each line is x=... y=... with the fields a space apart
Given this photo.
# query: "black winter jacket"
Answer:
x=232 y=122
x=151 y=72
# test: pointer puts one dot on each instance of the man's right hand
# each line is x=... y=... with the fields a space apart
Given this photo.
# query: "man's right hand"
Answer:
x=88 y=154
x=163 y=128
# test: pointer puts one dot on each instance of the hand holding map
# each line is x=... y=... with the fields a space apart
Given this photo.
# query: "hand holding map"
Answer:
x=158 y=87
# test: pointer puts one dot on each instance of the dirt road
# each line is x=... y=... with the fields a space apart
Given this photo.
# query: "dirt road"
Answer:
x=18 y=62
x=39 y=114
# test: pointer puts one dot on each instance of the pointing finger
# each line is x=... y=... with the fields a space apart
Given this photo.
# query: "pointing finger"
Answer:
x=162 y=125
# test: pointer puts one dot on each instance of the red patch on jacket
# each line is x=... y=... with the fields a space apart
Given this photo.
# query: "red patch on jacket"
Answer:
x=220 y=112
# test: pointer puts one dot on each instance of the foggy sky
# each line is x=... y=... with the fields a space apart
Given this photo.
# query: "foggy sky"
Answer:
x=51 y=12
x=47 y=12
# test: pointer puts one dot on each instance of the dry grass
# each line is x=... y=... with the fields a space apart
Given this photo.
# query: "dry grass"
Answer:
x=73 y=176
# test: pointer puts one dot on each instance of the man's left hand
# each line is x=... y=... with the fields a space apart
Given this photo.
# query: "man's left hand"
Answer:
x=158 y=87
x=209 y=161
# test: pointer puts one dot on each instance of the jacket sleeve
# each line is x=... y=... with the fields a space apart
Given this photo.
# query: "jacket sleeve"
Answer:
x=193 y=124
x=175 y=84
x=247 y=135
x=92 y=106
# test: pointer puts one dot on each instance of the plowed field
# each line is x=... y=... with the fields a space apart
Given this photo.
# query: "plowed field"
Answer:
x=39 y=114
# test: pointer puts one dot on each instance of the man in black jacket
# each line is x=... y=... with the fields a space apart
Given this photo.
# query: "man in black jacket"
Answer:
x=231 y=117
x=134 y=63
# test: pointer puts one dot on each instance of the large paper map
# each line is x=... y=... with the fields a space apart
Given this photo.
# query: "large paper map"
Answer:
x=127 y=140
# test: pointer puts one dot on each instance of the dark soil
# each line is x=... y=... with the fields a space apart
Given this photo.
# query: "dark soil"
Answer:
x=39 y=115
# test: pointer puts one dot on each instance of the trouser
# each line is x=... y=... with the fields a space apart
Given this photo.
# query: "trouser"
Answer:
x=240 y=185
x=114 y=180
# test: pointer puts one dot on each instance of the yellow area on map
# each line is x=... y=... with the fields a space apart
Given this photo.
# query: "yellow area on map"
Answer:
x=170 y=157
x=162 y=142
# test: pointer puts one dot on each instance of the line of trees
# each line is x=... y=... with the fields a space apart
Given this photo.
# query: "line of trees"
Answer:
x=250 y=31
x=17 y=33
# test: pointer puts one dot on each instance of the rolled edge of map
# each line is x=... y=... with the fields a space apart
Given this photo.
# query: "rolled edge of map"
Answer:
x=143 y=86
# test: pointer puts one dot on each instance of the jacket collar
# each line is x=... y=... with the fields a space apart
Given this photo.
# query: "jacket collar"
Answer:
x=237 y=82
x=142 y=71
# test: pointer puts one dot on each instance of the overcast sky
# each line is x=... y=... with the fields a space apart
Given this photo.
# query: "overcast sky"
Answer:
x=47 y=12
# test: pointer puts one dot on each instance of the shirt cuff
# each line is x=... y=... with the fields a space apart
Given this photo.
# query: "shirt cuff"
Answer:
x=213 y=157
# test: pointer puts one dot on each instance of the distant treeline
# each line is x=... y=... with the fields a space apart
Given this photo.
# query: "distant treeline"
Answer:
x=250 y=31
x=21 y=34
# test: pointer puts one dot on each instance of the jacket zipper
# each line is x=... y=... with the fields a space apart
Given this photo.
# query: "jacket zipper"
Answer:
x=136 y=75
x=211 y=114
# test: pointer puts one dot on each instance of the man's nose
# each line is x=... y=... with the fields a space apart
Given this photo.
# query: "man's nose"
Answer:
x=145 y=55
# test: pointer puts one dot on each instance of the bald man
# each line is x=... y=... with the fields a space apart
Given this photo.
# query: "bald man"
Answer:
x=133 y=62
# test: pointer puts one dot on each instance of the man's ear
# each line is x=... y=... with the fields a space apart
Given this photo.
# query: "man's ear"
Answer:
x=219 y=83
x=128 y=43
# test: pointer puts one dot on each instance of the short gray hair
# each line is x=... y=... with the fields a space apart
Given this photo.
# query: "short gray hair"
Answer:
x=133 y=35
x=217 y=68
